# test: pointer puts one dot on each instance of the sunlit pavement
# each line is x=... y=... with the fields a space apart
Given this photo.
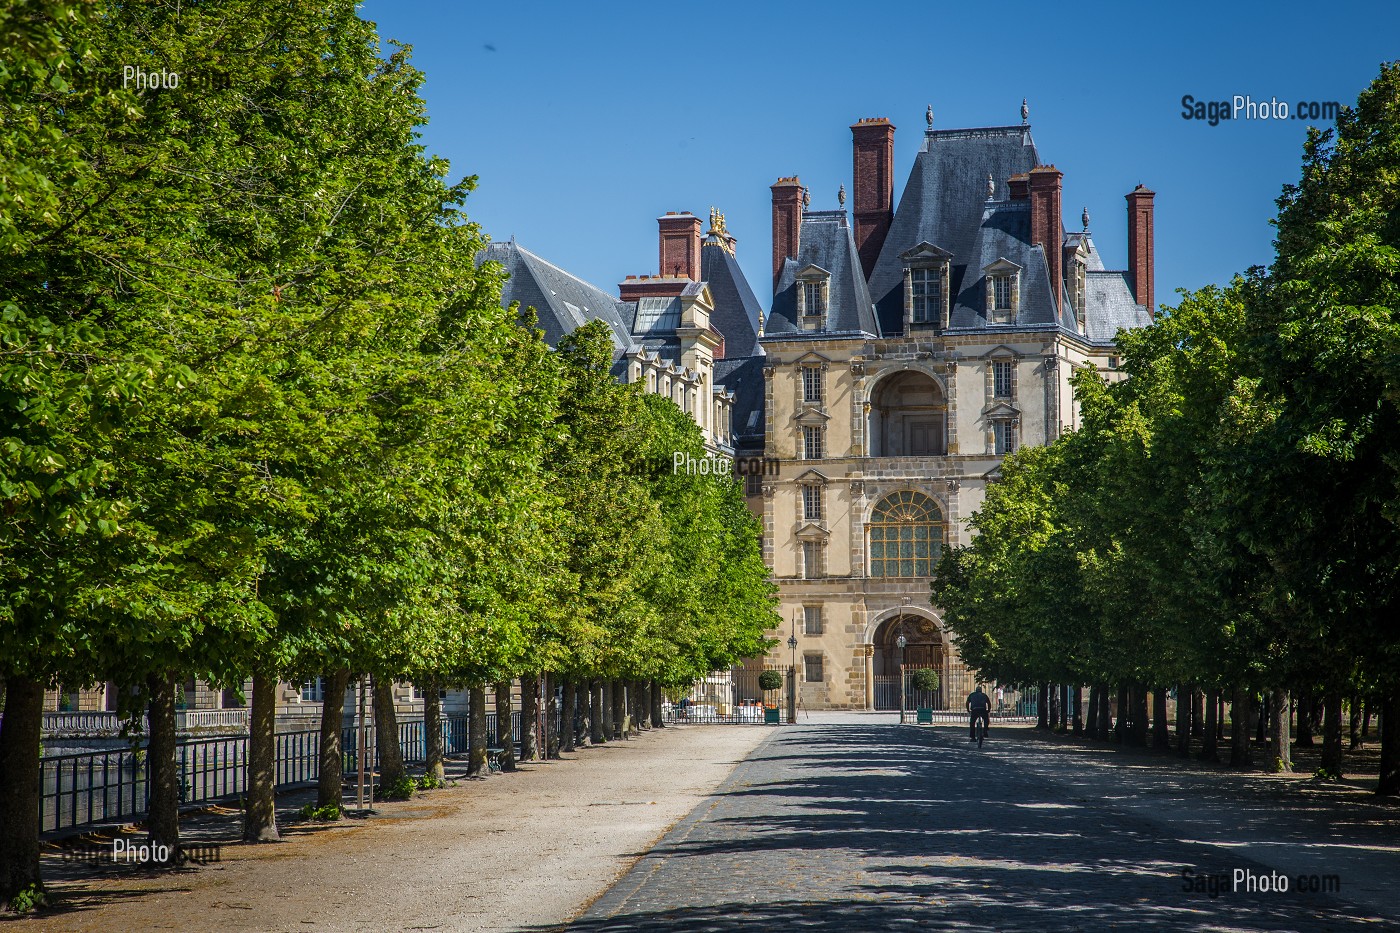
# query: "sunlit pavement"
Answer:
x=852 y=822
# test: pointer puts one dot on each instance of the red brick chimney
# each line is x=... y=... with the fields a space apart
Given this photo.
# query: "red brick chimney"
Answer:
x=1140 y=247
x=1047 y=226
x=787 y=222
x=680 y=245
x=872 y=157
x=1019 y=186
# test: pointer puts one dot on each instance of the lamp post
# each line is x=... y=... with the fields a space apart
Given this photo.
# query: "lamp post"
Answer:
x=792 y=673
x=901 y=641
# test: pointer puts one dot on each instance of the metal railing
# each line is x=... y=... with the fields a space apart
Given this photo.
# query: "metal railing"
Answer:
x=82 y=789
x=727 y=697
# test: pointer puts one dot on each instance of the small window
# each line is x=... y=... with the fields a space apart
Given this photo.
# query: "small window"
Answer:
x=812 y=620
x=812 y=385
x=812 y=446
x=1004 y=433
x=926 y=295
x=812 y=669
x=813 y=298
x=753 y=484
x=811 y=559
x=1002 y=291
x=313 y=691
x=812 y=503
x=1003 y=379
x=1113 y=362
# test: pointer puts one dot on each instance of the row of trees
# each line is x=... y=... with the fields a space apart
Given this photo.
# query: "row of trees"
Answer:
x=1225 y=519
x=264 y=416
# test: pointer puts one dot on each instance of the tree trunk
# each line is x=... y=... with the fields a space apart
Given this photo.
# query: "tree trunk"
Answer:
x=529 y=716
x=476 y=730
x=19 y=776
x=609 y=730
x=1280 y=751
x=569 y=716
x=1389 y=785
x=505 y=741
x=162 y=770
x=619 y=710
x=433 y=767
x=551 y=717
x=260 y=812
x=1354 y=721
x=1185 y=702
x=1198 y=711
x=1210 y=741
x=639 y=706
x=1042 y=720
x=386 y=735
x=1077 y=702
x=1239 y=727
x=331 y=780
x=1367 y=708
x=1120 y=728
x=1161 y=737
x=1332 y=733
x=1306 y=723
x=657 y=721
x=1091 y=726
x=595 y=712
x=1140 y=723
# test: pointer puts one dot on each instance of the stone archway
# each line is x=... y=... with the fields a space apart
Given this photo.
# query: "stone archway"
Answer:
x=925 y=647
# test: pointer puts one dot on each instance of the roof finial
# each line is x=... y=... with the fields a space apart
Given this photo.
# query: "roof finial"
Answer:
x=806 y=199
x=991 y=187
x=928 y=116
x=1085 y=217
x=841 y=197
x=1025 y=111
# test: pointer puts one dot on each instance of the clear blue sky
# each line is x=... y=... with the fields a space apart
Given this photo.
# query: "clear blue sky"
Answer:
x=585 y=121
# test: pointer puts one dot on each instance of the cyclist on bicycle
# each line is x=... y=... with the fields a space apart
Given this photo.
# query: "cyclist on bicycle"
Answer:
x=979 y=706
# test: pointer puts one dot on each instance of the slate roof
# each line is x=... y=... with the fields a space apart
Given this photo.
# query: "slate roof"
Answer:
x=737 y=309
x=1004 y=232
x=1110 y=306
x=826 y=241
x=942 y=204
x=563 y=302
x=744 y=377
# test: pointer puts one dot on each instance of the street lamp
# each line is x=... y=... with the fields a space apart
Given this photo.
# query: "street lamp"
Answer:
x=792 y=672
x=901 y=642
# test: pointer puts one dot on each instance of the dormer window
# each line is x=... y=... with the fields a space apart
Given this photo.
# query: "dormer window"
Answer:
x=1003 y=291
x=813 y=297
x=926 y=295
x=925 y=286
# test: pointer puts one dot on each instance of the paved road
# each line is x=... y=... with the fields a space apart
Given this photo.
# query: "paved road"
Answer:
x=858 y=824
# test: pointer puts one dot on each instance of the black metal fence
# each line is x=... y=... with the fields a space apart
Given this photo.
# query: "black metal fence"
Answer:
x=731 y=697
x=948 y=703
x=82 y=789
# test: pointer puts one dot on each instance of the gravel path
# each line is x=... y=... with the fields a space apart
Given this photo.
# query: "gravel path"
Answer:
x=858 y=824
x=504 y=853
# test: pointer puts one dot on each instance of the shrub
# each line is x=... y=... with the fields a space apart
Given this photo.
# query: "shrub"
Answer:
x=925 y=678
x=770 y=680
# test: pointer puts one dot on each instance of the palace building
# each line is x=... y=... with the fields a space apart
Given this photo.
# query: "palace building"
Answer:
x=908 y=350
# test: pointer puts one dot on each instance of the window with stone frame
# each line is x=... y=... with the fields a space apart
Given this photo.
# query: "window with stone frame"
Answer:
x=812 y=385
x=906 y=535
x=1003 y=436
x=813 y=443
x=1003 y=291
x=925 y=295
x=1004 y=379
x=313 y=691
x=811 y=559
x=812 y=502
x=753 y=484
x=813 y=668
x=814 y=297
x=812 y=622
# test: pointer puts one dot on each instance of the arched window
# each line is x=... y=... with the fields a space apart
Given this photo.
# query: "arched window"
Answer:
x=906 y=535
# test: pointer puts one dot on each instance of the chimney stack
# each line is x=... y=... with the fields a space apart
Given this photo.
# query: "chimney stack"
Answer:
x=787 y=223
x=1047 y=225
x=872 y=157
x=1140 y=247
x=1019 y=186
x=680 y=245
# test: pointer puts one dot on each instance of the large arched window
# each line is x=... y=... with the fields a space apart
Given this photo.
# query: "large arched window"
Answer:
x=906 y=535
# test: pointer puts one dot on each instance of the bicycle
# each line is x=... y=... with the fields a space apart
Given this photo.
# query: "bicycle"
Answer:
x=979 y=729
